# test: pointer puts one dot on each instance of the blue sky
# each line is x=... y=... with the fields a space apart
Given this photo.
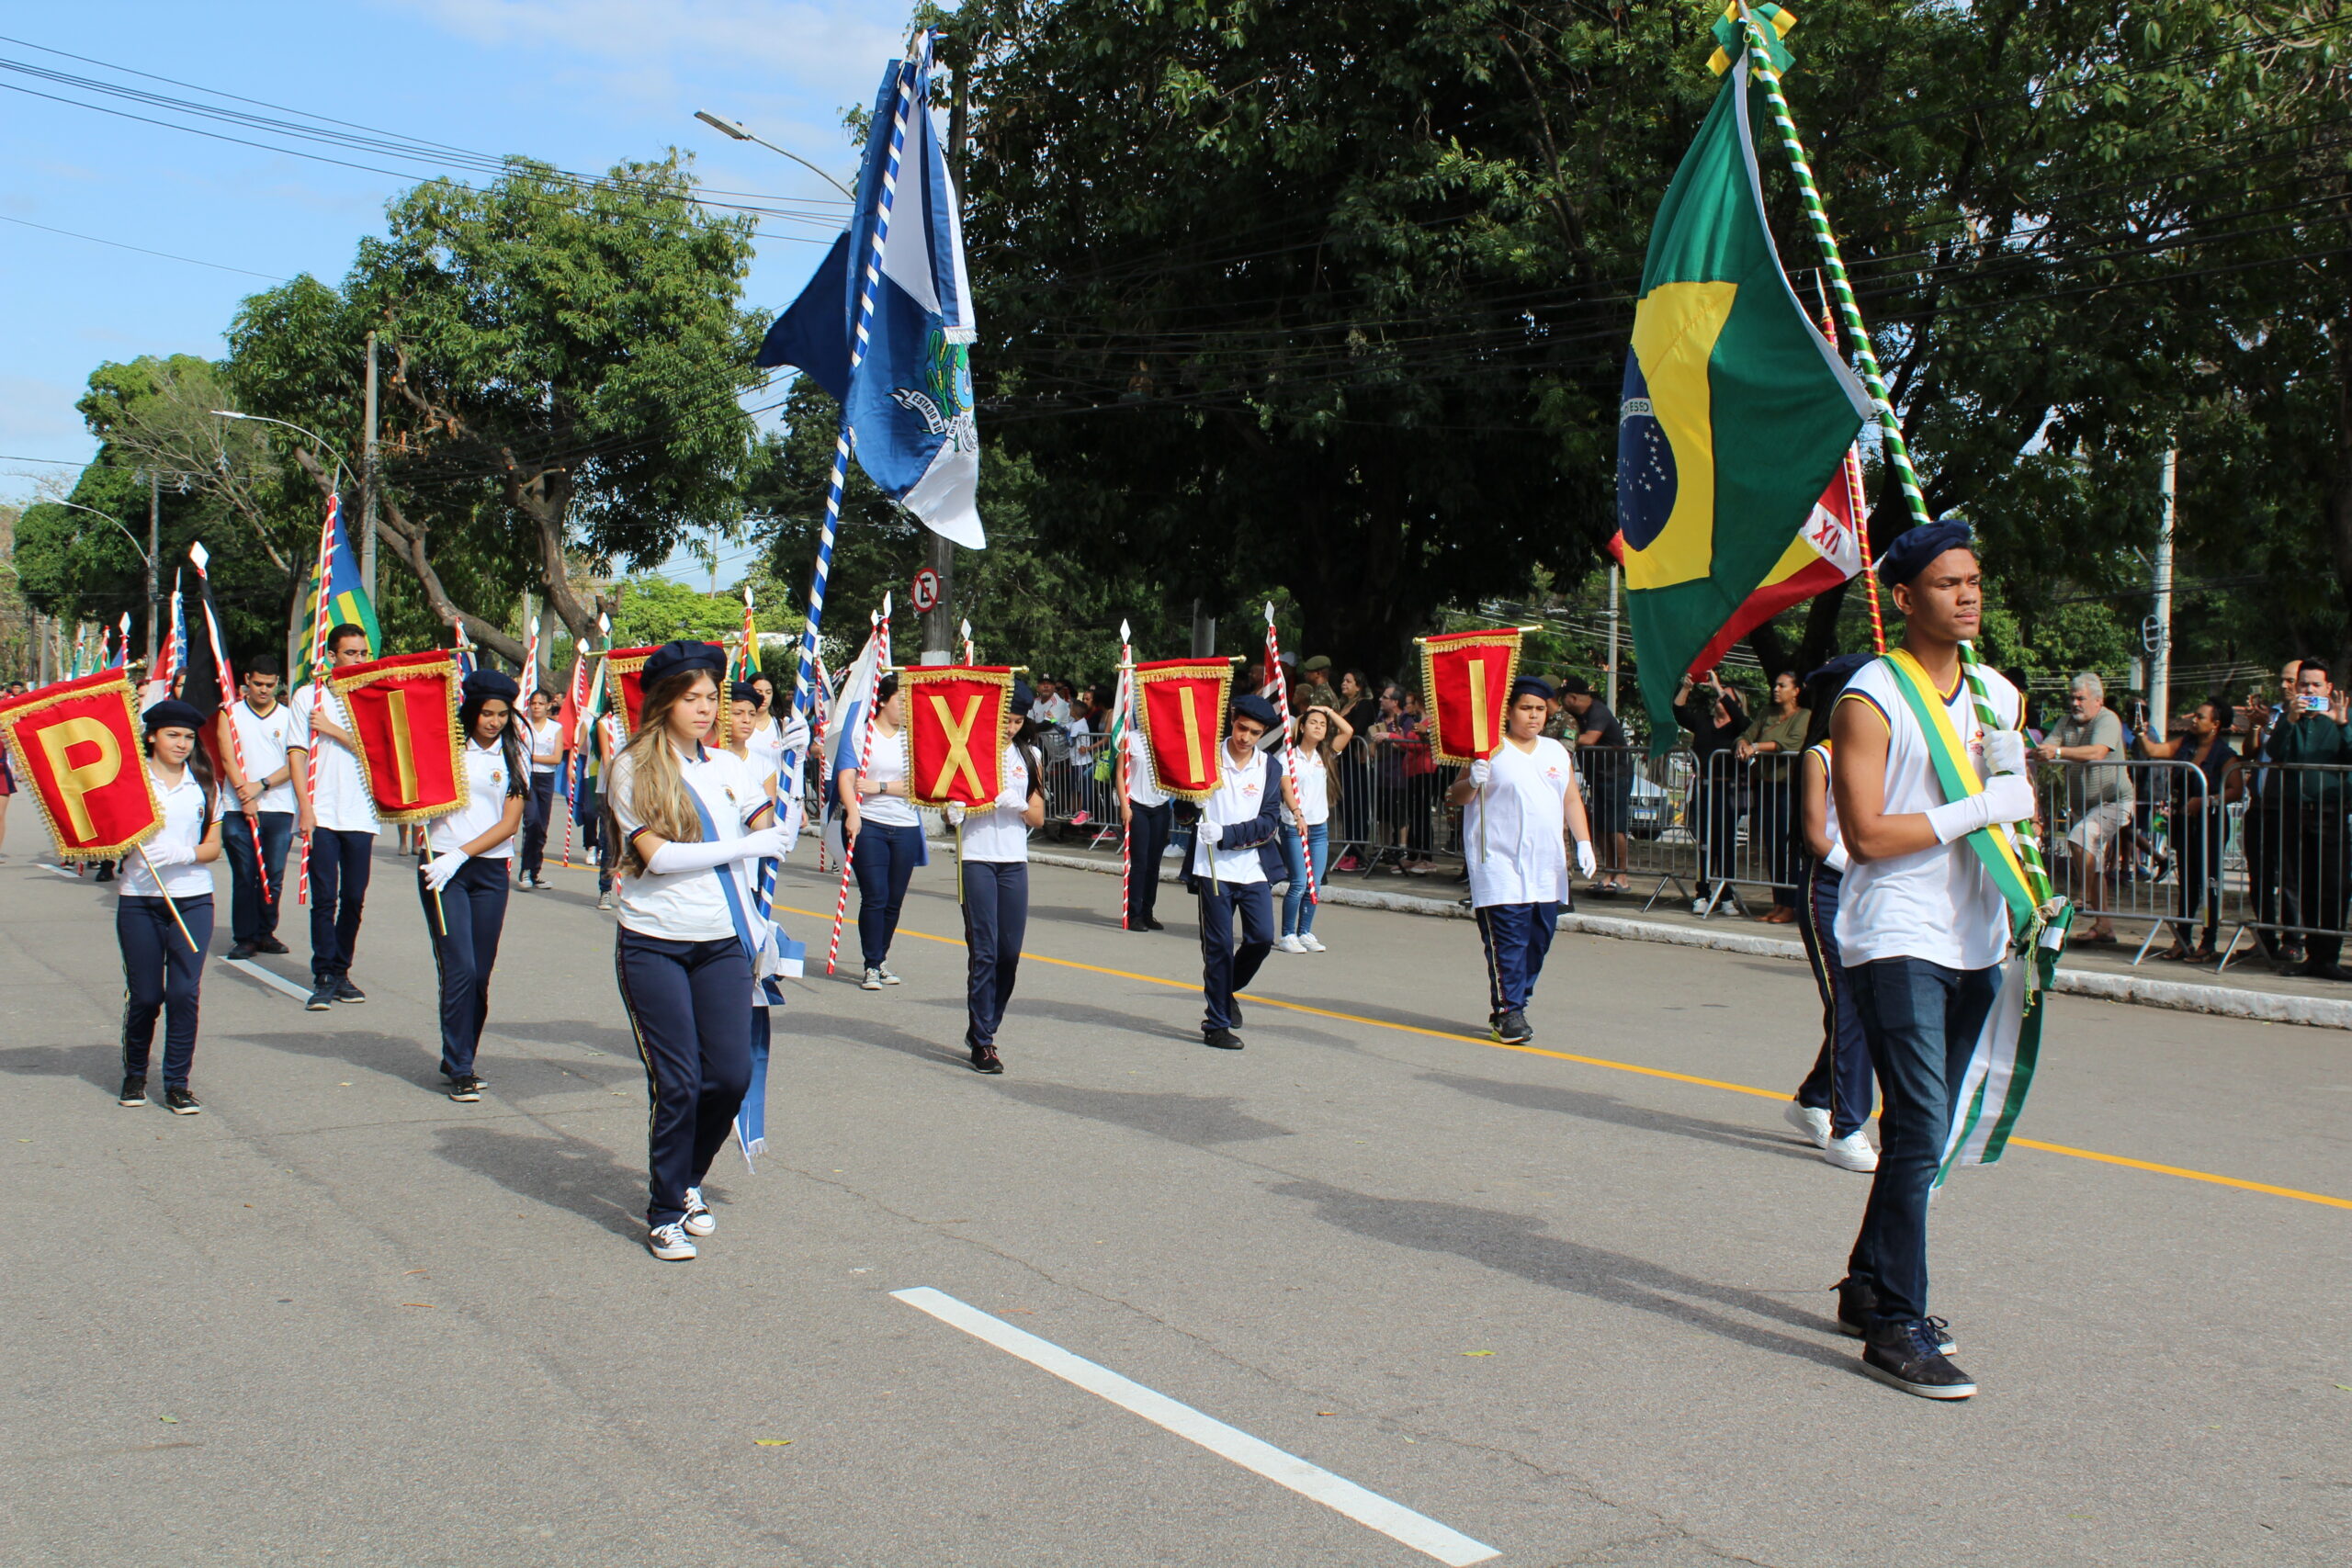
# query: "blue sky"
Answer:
x=581 y=84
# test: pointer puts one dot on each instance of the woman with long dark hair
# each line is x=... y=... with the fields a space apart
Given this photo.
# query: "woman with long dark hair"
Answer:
x=887 y=833
x=687 y=819
x=993 y=878
x=163 y=970
x=1323 y=738
x=463 y=882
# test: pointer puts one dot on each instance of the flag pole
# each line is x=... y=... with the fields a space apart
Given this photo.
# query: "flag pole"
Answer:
x=319 y=614
x=1856 y=506
x=864 y=754
x=803 y=694
x=1890 y=425
x=1121 y=719
x=1290 y=746
x=227 y=677
x=169 y=903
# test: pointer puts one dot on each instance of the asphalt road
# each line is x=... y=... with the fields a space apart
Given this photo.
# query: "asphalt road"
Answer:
x=1570 y=1303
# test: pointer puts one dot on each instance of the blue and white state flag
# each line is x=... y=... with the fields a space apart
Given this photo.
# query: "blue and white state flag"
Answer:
x=909 y=406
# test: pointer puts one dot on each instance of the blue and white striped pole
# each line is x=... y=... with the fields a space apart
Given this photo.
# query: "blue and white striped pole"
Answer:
x=917 y=65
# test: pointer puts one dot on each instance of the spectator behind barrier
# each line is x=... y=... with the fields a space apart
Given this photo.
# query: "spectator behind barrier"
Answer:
x=1714 y=717
x=2098 y=796
x=1609 y=777
x=2202 y=741
x=2313 y=801
x=1774 y=739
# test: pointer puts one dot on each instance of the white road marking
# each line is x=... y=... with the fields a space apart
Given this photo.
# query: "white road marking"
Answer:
x=268 y=977
x=68 y=876
x=1392 y=1519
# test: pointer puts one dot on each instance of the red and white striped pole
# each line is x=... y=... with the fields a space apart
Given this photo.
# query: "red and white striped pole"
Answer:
x=321 y=616
x=228 y=679
x=1122 y=720
x=1290 y=749
x=864 y=755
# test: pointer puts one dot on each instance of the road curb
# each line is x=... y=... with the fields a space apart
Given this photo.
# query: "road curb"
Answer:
x=2180 y=996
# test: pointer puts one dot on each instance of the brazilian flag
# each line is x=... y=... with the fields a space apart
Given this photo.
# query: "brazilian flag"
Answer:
x=347 y=603
x=1736 y=411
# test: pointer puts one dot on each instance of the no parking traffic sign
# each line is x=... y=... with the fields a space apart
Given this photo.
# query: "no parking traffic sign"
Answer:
x=926 y=591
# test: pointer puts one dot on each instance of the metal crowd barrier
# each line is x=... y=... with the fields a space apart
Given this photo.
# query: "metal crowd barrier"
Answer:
x=2286 y=827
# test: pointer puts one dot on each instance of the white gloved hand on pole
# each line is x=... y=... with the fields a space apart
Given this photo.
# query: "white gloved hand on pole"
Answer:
x=2004 y=753
x=2007 y=798
x=442 y=867
x=1480 y=772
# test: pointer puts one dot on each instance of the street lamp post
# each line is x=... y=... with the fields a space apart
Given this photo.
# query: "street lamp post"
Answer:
x=734 y=129
x=146 y=554
x=342 y=468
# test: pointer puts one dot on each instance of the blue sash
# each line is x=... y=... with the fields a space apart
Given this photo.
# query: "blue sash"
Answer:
x=769 y=991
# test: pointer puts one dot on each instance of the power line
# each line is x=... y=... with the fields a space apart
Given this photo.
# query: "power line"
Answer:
x=142 y=250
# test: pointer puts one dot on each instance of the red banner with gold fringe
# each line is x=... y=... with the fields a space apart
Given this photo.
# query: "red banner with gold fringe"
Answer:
x=404 y=715
x=1181 y=704
x=78 y=754
x=1465 y=684
x=955 y=732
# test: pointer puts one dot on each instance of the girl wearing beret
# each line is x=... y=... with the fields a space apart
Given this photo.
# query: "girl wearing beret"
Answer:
x=463 y=884
x=162 y=971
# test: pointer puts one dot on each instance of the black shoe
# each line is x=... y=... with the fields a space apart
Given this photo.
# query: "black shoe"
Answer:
x=986 y=1060
x=272 y=946
x=134 y=1090
x=1511 y=1028
x=2313 y=969
x=321 y=997
x=1903 y=1356
x=465 y=1088
x=179 y=1102
x=1151 y=925
x=240 y=952
x=106 y=872
x=345 y=991
x=1857 y=1304
x=1220 y=1039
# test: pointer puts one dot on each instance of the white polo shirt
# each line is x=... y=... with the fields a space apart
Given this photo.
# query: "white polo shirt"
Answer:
x=1236 y=800
x=341 y=803
x=1515 y=830
x=183 y=830
x=1939 y=903
x=263 y=739
x=689 y=906
x=487 y=783
x=1141 y=791
x=996 y=833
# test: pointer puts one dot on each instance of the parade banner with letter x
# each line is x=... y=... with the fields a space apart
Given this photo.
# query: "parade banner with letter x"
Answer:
x=1181 y=704
x=77 y=747
x=404 y=715
x=955 y=732
x=1465 y=681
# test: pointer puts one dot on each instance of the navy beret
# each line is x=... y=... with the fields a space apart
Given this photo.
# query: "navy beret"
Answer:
x=744 y=691
x=1911 y=552
x=1022 y=698
x=484 y=685
x=1251 y=706
x=678 y=658
x=173 y=714
x=1840 y=670
x=1530 y=686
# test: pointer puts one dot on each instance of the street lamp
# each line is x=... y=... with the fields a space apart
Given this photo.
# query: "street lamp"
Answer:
x=341 y=467
x=145 y=556
x=734 y=129
x=77 y=506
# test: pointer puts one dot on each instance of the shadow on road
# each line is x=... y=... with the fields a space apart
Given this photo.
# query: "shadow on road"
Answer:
x=560 y=1172
x=99 y=1064
x=1519 y=1245
x=866 y=1031
x=1595 y=1107
x=1200 y=1120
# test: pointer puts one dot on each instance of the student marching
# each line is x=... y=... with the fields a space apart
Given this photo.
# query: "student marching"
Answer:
x=463 y=881
x=162 y=917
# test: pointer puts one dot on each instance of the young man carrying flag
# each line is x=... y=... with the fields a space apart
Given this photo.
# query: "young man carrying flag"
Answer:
x=338 y=818
x=1922 y=924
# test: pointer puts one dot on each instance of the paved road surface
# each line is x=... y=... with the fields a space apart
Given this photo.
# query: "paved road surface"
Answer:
x=1570 y=1303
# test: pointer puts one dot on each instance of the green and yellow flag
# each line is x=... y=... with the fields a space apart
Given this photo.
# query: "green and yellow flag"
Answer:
x=1736 y=411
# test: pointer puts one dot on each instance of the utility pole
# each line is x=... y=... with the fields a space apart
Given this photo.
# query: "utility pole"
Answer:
x=367 y=483
x=1203 y=633
x=155 y=546
x=2160 y=655
x=1612 y=637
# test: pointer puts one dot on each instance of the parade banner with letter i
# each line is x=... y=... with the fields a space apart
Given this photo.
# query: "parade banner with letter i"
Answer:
x=77 y=746
x=1465 y=681
x=404 y=715
x=1181 y=705
x=955 y=732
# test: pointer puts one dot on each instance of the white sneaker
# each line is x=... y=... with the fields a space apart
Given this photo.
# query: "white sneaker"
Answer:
x=699 y=1219
x=1306 y=939
x=603 y=900
x=882 y=972
x=524 y=881
x=670 y=1242
x=1811 y=1121
x=1852 y=1152
x=871 y=981
x=1698 y=906
x=1290 y=944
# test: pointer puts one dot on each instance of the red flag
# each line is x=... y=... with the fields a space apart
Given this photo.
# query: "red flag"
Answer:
x=1827 y=551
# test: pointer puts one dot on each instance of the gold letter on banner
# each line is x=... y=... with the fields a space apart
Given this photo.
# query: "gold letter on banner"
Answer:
x=403 y=752
x=1477 y=705
x=960 y=745
x=74 y=783
x=1193 y=736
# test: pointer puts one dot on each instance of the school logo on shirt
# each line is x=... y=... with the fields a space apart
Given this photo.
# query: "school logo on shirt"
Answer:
x=1554 y=774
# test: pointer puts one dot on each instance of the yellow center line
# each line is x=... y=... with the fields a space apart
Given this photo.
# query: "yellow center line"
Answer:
x=2092 y=1155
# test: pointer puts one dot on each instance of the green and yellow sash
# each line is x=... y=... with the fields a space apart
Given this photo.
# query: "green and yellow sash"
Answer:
x=1956 y=772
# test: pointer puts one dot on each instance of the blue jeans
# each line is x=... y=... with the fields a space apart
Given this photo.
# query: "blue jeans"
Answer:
x=251 y=918
x=1840 y=1080
x=162 y=974
x=1298 y=910
x=473 y=909
x=885 y=862
x=1921 y=1020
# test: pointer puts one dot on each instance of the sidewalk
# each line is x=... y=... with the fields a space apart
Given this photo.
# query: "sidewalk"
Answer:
x=2246 y=989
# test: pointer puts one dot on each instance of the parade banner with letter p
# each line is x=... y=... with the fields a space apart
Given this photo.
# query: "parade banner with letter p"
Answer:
x=1181 y=704
x=1465 y=681
x=77 y=749
x=955 y=732
x=404 y=715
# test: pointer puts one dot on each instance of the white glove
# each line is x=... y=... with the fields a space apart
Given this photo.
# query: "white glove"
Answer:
x=1586 y=862
x=441 y=868
x=2004 y=751
x=761 y=843
x=1480 y=772
x=954 y=814
x=1838 y=860
x=795 y=735
x=2008 y=798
